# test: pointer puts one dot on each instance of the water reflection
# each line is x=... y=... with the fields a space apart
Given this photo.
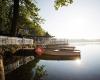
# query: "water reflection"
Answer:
x=30 y=71
x=33 y=70
x=89 y=68
x=40 y=73
x=78 y=61
x=60 y=57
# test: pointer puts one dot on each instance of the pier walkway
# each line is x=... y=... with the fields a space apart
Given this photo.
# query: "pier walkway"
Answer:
x=11 y=47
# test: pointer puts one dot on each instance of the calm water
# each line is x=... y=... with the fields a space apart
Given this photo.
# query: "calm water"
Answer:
x=88 y=68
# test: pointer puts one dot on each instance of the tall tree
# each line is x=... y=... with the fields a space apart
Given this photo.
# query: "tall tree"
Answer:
x=15 y=17
x=19 y=12
x=58 y=3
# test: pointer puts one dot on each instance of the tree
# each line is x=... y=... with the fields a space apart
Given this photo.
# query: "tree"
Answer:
x=15 y=17
x=60 y=3
x=27 y=10
x=47 y=34
x=29 y=19
x=18 y=13
x=4 y=16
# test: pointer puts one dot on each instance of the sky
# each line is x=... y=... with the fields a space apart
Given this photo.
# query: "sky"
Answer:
x=81 y=19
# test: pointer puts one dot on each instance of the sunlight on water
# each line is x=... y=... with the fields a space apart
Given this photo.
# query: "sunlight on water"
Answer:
x=87 y=67
x=56 y=50
x=78 y=61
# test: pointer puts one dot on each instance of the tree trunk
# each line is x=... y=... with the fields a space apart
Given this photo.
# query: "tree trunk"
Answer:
x=15 y=18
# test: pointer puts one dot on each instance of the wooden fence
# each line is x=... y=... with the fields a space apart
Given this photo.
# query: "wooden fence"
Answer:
x=4 y=40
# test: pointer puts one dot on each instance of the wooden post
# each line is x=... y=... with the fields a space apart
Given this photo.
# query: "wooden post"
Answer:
x=2 y=75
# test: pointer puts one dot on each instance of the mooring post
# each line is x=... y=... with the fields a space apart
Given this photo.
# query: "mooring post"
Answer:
x=2 y=75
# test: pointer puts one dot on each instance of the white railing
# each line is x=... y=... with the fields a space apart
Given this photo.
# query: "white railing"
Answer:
x=58 y=41
x=4 y=40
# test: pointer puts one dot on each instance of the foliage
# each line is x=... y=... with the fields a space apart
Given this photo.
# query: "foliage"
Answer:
x=29 y=20
x=47 y=34
x=41 y=73
x=4 y=16
x=60 y=3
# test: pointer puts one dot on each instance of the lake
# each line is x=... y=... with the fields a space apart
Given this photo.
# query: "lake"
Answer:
x=87 y=68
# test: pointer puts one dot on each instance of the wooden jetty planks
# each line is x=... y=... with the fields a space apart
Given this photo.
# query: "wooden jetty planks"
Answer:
x=49 y=52
x=61 y=55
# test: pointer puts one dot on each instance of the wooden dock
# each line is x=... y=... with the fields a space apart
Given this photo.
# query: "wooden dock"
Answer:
x=61 y=55
x=61 y=48
x=54 y=50
x=51 y=52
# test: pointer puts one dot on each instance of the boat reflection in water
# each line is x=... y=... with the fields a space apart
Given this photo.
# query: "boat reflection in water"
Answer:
x=77 y=58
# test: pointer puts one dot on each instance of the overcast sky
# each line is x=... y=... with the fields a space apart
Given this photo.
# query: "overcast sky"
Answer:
x=78 y=20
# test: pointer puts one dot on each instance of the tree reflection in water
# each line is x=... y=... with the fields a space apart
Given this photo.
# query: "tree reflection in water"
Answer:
x=30 y=71
x=40 y=73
